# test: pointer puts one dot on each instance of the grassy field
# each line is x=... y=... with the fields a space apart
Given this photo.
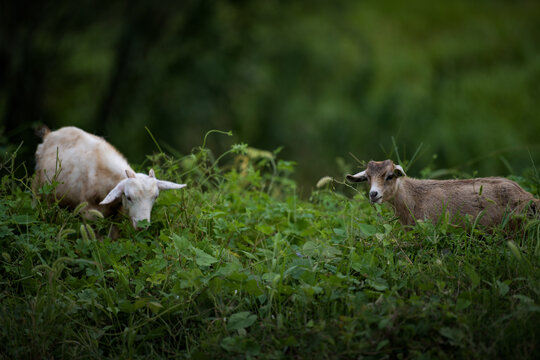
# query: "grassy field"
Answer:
x=236 y=265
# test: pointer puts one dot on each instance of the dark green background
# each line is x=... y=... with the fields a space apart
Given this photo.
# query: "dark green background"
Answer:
x=321 y=78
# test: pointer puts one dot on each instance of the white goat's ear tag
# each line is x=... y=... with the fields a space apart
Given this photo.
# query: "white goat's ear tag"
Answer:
x=398 y=170
x=130 y=174
x=151 y=173
x=361 y=176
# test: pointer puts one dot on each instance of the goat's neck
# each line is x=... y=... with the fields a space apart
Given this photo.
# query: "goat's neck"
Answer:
x=403 y=201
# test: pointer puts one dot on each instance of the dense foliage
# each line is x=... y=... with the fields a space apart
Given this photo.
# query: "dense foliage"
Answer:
x=236 y=265
x=321 y=78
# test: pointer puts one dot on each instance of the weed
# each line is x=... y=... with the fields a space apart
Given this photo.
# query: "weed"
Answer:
x=239 y=266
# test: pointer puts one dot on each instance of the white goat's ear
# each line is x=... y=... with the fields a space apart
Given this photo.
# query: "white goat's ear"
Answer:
x=130 y=174
x=114 y=194
x=398 y=171
x=167 y=185
x=151 y=173
x=361 y=176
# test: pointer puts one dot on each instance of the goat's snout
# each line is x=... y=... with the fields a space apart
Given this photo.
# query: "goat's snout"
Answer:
x=374 y=196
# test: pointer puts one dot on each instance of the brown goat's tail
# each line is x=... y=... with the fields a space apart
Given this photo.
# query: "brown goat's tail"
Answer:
x=43 y=131
x=534 y=208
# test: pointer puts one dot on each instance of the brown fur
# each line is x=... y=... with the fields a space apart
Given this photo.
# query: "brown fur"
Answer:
x=486 y=200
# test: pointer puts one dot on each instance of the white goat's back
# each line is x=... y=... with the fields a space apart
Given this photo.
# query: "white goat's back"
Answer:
x=86 y=166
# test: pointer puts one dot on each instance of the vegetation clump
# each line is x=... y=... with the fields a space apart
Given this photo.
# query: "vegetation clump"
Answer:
x=238 y=265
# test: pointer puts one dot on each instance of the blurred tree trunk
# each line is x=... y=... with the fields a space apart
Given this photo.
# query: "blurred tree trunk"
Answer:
x=22 y=75
x=119 y=69
x=144 y=25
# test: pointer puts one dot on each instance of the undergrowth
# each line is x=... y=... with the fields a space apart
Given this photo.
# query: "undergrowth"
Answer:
x=236 y=265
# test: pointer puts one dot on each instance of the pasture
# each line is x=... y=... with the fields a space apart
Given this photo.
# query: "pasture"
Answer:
x=238 y=265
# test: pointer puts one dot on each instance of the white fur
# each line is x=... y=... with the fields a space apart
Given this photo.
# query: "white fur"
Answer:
x=361 y=176
x=88 y=168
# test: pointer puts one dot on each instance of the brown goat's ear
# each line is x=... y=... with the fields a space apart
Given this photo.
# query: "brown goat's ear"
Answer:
x=361 y=176
x=130 y=173
x=398 y=171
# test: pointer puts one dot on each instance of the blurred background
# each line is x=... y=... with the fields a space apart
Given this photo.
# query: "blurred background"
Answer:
x=456 y=82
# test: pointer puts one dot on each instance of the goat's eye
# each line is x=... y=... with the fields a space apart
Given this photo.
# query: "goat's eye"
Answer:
x=128 y=198
x=390 y=177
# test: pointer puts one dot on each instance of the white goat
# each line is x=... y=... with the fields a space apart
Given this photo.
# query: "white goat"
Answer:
x=487 y=199
x=88 y=168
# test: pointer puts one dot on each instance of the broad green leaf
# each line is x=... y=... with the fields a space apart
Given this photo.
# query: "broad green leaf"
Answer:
x=228 y=269
x=503 y=288
x=126 y=306
x=340 y=232
x=330 y=252
x=203 y=259
x=240 y=344
x=181 y=242
x=473 y=276
x=154 y=306
x=241 y=320
x=455 y=335
x=378 y=284
x=310 y=248
x=382 y=344
x=462 y=304
x=249 y=255
x=367 y=230
x=265 y=229
x=252 y=287
x=237 y=276
x=271 y=277
x=524 y=299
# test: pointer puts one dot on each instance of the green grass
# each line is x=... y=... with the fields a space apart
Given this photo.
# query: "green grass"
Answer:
x=236 y=265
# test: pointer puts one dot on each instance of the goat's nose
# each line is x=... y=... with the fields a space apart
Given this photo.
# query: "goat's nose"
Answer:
x=373 y=194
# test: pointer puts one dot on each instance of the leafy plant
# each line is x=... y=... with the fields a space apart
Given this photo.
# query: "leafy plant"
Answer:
x=238 y=265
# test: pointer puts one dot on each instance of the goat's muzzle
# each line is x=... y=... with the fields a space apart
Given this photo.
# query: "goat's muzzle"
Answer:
x=374 y=197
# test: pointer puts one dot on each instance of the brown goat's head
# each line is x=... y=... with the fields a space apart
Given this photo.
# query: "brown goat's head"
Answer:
x=382 y=178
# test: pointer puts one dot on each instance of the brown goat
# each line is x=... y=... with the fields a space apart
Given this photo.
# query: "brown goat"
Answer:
x=486 y=199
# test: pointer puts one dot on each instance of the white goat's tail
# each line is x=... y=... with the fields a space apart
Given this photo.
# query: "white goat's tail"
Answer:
x=43 y=131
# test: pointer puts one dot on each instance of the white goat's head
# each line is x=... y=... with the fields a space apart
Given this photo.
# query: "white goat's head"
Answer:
x=139 y=192
x=382 y=177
